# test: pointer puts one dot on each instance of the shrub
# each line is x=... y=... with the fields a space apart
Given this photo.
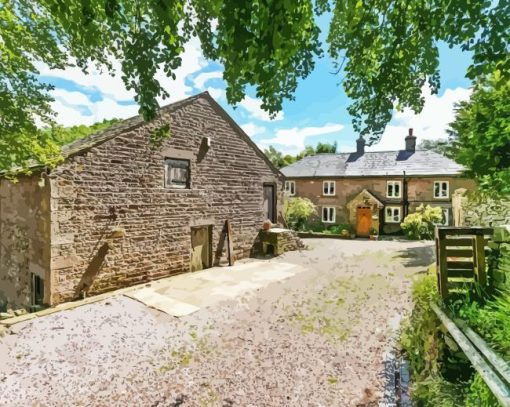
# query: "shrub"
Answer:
x=421 y=224
x=296 y=212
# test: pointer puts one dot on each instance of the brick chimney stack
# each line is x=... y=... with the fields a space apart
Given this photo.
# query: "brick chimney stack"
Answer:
x=360 y=145
x=411 y=141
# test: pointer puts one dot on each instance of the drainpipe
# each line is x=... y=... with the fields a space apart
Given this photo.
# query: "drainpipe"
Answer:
x=405 y=197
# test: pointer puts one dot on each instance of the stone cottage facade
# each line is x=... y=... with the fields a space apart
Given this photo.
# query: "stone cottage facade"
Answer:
x=123 y=209
x=376 y=190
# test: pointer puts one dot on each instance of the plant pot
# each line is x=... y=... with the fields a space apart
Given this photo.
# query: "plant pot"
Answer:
x=374 y=237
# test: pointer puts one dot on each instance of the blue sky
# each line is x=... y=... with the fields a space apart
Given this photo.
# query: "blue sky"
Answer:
x=318 y=113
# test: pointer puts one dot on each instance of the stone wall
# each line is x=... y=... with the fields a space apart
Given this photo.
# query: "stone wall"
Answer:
x=24 y=239
x=499 y=258
x=480 y=210
x=115 y=224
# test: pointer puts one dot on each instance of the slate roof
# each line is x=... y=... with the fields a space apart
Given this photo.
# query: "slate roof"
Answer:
x=380 y=163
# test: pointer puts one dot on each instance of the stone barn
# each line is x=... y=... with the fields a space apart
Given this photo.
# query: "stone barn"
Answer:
x=127 y=206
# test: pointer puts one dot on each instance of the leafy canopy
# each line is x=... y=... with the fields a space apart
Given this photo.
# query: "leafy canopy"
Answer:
x=386 y=49
x=279 y=160
x=480 y=134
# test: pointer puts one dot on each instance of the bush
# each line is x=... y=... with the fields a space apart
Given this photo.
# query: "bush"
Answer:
x=421 y=224
x=296 y=212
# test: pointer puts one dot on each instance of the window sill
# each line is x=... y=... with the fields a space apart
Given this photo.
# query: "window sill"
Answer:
x=330 y=222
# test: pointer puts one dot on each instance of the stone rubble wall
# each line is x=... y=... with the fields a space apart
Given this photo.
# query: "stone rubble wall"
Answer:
x=499 y=258
x=24 y=239
x=114 y=224
x=480 y=210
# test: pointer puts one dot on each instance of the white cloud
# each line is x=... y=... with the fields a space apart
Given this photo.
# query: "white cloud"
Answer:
x=75 y=108
x=69 y=105
x=201 y=79
x=252 y=129
x=431 y=124
x=216 y=93
x=293 y=140
x=252 y=106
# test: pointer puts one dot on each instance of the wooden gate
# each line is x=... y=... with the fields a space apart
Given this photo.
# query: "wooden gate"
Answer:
x=460 y=256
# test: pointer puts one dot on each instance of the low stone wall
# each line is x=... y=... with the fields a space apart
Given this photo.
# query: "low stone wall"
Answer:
x=277 y=241
x=307 y=235
x=499 y=258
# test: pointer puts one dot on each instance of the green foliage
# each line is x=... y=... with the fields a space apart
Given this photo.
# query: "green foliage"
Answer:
x=440 y=146
x=421 y=224
x=479 y=394
x=491 y=319
x=387 y=50
x=158 y=135
x=66 y=135
x=296 y=211
x=279 y=160
x=480 y=134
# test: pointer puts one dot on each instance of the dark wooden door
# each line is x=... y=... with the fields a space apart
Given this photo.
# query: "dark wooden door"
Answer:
x=269 y=203
x=363 y=221
x=201 y=249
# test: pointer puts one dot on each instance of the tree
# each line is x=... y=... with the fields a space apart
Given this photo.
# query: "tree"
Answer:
x=387 y=50
x=65 y=135
x=480 y=134
x=326 y=148
x=441 y=146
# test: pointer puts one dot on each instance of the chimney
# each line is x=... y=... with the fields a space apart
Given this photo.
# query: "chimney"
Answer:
x=411 y=141
x=360 y=145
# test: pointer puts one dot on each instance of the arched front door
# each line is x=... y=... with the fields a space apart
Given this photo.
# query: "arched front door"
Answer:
x=363 y=221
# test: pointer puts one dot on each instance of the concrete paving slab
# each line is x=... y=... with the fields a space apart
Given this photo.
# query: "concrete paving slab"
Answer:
x=186 y=293
x=163 y=303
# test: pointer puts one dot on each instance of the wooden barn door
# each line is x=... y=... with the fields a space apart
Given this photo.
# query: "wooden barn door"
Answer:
x=363 y=221
x=201 y=249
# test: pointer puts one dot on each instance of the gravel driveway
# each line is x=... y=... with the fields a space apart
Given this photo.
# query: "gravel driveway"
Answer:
x=320 y=338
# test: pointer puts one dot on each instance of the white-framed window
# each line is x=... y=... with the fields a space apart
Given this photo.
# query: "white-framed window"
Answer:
x=328 y=214
x=290 y=188
x=394 y=189
x=177 y=173
x=441 y=189
x=328 y=187
x=392 y=214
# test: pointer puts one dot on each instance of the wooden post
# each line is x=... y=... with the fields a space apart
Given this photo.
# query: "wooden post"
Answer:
x=442 y=268
x=230 y=246
x=479 y=253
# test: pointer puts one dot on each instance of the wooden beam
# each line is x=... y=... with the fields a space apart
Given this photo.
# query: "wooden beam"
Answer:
x=501 y=366
x=466 y=253
x=497 y=386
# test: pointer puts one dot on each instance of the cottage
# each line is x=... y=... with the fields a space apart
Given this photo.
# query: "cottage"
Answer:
x=126 y=206
x=376 y=190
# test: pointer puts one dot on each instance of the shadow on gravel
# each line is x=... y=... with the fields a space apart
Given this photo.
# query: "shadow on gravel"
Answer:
x=417 y=256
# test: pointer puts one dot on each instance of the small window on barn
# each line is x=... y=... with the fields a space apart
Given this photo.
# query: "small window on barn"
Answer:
x=392 y=214
x=328 y=214
x=177 y=173
x=290 y=188
x=393 y=189
x=328 y=188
